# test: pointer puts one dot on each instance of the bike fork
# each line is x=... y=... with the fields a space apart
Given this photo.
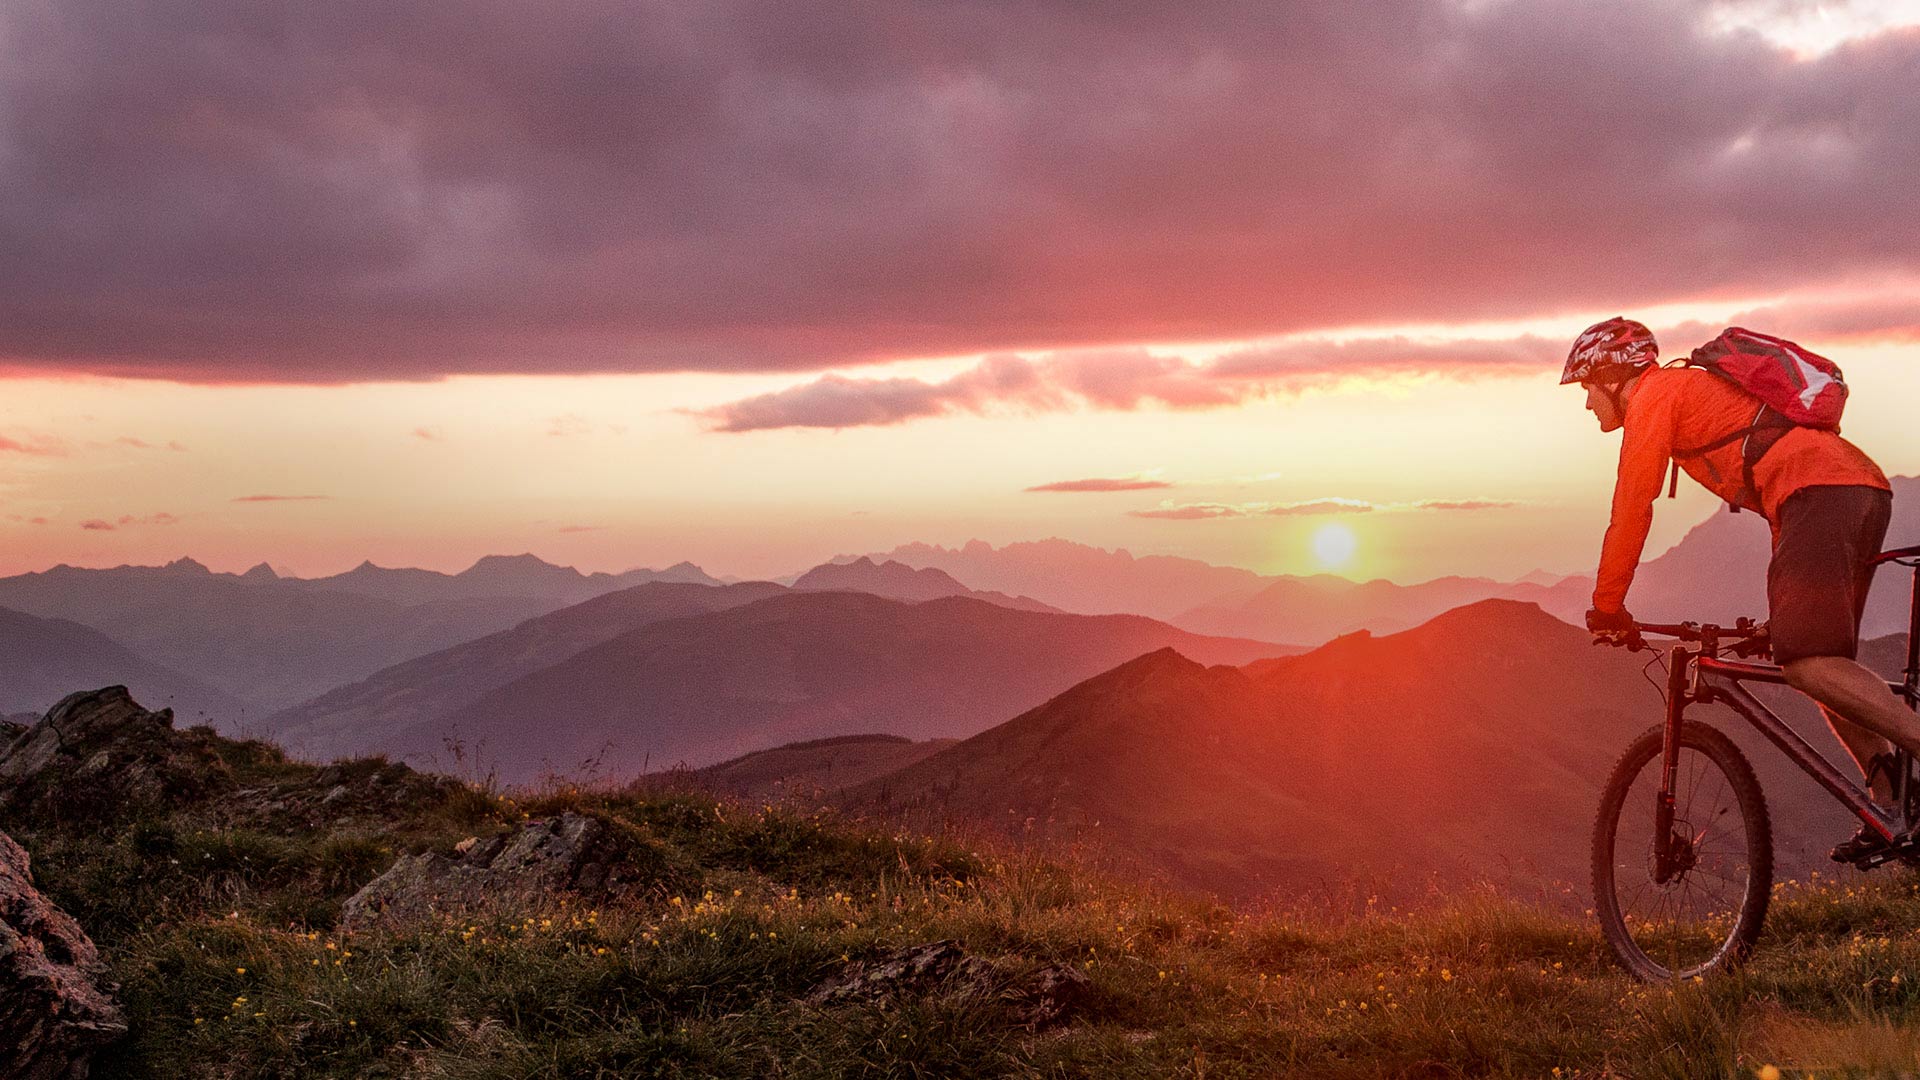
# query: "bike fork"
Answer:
x=1677 y=700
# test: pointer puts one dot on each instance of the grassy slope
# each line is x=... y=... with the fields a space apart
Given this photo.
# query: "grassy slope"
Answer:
x=221 y=934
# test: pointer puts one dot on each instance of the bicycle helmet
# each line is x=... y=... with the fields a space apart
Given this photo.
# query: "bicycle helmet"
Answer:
x=1611 y=352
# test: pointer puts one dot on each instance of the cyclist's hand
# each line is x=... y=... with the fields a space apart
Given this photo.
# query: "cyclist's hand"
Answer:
x=1758 y=643
x=1609 y=622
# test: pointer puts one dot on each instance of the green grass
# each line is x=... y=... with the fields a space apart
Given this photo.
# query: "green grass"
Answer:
x=223 y=938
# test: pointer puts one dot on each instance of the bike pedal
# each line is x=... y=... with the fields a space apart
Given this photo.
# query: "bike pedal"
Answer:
x=1906 y=849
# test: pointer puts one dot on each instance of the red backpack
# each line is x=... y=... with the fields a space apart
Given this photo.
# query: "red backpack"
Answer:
x=1791 y=387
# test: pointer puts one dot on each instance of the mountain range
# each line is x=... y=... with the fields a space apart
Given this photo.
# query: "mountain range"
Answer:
x=1716 y=573
x=701 y=688
x=811 y=770
x=267 y=642
x=350 y=718
x=1472 y=746
x=45 y=659
x=898 y=581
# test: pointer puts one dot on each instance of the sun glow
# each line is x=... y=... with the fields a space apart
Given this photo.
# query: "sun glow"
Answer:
x=1333 y=545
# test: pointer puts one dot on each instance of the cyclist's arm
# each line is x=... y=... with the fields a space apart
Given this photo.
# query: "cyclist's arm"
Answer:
x=1645 y=449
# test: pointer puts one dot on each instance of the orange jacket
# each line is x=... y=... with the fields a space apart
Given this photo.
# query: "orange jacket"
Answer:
x=1680 y=408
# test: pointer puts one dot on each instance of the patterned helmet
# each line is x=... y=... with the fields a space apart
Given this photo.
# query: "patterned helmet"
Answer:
x=1616 y=343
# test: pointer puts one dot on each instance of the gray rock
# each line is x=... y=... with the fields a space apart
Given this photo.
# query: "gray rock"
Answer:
x=98 y=754
x=910 y=970
x=571 y=853
x=55 y=1010
x=1050 y=995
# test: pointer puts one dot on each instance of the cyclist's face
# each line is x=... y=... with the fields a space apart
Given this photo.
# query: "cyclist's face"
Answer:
x=1601 y=404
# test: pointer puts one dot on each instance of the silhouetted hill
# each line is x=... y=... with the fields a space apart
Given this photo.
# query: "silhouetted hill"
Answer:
x=450 y=679
x=42 y=660
x=898 y=581
x=1474 y=744
x=704 y=688
x=809 y=770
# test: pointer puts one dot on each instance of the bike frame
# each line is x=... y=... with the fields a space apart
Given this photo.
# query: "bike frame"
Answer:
x=1698 y=674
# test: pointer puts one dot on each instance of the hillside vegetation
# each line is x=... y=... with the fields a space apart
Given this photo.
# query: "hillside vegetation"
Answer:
x=218 y=910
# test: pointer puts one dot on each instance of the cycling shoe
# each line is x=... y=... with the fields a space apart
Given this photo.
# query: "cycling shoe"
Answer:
x=1861 y=845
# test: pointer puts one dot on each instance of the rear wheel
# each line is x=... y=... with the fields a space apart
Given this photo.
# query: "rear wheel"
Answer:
x=1702 y=911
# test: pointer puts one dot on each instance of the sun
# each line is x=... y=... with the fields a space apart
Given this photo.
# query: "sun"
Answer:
x=1333 y=545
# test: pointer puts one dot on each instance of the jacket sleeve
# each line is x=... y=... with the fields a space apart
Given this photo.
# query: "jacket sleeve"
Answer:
x=1645 y=450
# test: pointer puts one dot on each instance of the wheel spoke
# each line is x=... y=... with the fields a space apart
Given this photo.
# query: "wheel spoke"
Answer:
x=1694 y=919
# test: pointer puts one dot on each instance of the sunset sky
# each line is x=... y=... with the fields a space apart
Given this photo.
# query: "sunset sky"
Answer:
x=625 y=284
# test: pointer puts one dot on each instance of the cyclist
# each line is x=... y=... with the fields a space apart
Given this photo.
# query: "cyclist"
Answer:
x=1828 y=505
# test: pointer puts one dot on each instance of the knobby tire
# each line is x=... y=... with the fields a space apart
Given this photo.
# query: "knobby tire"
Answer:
x=1755 y=828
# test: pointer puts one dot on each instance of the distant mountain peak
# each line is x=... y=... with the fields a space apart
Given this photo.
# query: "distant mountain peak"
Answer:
x=524 y=565
x=1165 y=658
x=186 y=564
x=525 y=559
x=1498 y=615
x=261 y=572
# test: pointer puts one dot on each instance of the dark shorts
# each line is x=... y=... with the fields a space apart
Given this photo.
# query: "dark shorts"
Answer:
x=1822 y=566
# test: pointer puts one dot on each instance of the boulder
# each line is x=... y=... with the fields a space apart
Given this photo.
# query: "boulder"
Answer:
x=1046 y=996
x=55 y=1008
x=571 y=853
x=98 y=754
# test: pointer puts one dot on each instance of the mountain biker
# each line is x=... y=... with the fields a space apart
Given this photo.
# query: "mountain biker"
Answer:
x=1828 y=505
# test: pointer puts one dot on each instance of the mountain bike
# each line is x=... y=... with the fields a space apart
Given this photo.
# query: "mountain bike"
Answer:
x=1683 y=846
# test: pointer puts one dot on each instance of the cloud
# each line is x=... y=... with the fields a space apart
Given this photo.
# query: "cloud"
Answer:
x=1321 y=506
x=1207 y=511
x=430 y=434
x=34 y=446
x=581 y=528
x=129 y=520
x=1125 y=380
x=141 y=444
x=280 y=498
x=833 y=401
x=25 y=520
x=1192 y=512
x=1464 y=504
x=370 y=190
x=1119 y=483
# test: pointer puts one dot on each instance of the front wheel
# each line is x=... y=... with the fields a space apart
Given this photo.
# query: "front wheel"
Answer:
x=1700 y=909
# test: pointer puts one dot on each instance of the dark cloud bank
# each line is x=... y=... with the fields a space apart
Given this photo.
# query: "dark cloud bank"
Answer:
x=224 y=189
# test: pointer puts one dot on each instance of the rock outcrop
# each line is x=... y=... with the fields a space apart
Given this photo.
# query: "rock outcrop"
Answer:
x=572 y=854
x=55 y=1011
x=1041 y=998
x=98 y=754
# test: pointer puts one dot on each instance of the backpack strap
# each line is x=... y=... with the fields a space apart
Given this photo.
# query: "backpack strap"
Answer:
x=1757 y=438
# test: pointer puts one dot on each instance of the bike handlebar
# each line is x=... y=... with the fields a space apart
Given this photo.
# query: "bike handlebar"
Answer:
x=1744 y=638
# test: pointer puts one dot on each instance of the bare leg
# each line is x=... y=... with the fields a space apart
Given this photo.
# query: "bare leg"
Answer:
x=1863 y=745
x=1865 y=706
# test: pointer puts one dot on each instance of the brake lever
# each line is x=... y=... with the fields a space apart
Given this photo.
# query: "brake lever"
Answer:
x=1620 y=639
